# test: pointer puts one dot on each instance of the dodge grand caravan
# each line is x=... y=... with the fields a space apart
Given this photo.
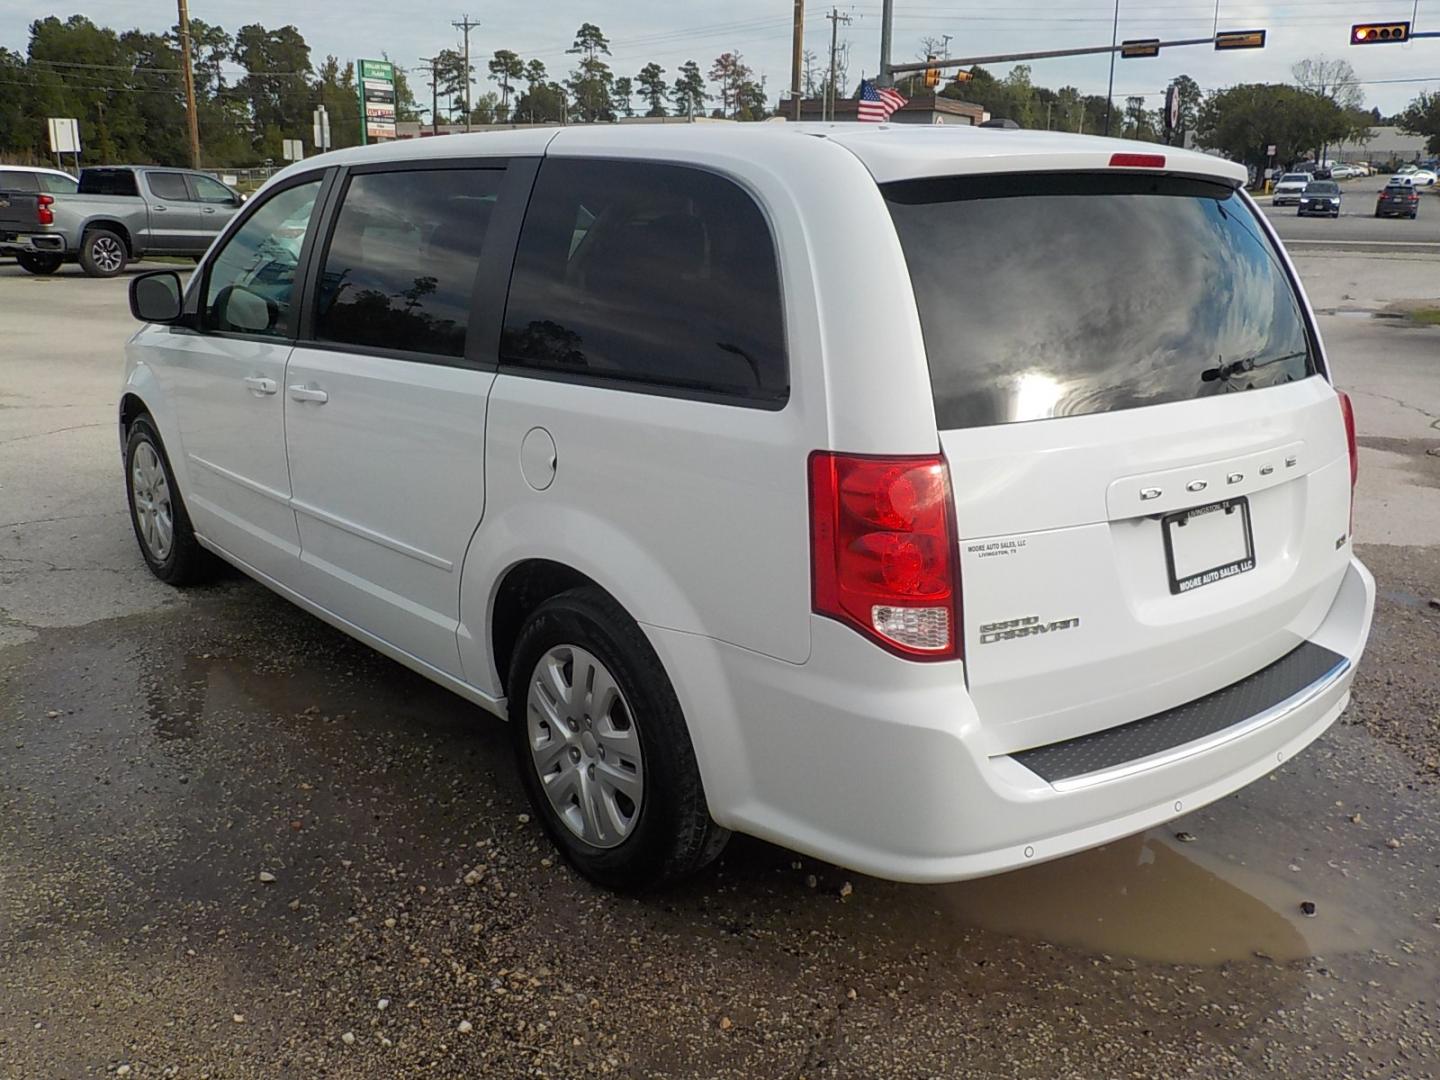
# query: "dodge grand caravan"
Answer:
x=931 y=501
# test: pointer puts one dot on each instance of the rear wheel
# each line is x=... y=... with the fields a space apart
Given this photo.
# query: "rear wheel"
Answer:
x=39 y=264
x=603 y=748
x=102 y=253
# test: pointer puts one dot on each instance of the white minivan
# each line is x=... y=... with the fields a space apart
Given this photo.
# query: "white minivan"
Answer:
x=934 y=501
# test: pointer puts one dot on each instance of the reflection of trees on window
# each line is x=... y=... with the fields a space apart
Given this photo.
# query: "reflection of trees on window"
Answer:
x=374 y=317
x=546 y=343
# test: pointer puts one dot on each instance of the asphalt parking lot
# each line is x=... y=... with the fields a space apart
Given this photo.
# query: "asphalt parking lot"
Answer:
x=162 y=751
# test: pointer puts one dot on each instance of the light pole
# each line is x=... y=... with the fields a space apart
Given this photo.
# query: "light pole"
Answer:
x=1110 y=92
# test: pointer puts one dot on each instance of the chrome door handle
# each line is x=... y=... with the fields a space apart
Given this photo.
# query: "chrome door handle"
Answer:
x=309 y=393
x=260 y=385
x=207 y=210
x=160 y=209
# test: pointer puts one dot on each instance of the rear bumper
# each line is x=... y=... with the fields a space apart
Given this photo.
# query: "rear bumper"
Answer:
x=880 y=765
x=32 y=244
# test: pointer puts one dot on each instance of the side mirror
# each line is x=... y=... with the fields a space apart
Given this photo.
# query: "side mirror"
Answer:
x=157 y=297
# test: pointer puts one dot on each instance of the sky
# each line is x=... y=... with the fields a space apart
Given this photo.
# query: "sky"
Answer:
x=670 y=33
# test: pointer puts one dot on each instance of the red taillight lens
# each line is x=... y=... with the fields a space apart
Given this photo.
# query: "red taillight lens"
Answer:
x=1137 y=161
x=883 y=555
x=45 y=215
x=1347 y=413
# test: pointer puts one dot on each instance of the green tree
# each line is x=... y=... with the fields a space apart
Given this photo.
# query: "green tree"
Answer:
x=750 y=101
x=689 y=90
x=450 y=80
x=276 y=84
x=1422 y=117
x=335 y=89
x=535 y=74
x=592 y=82
x=486 y=109
x=1242 y=121
x=621 y=93
x=729 y=71
x=590 y=42
x=1190 y=98
x=653 y=88
x=542 y=103
x=406 y=107
x=505 y=68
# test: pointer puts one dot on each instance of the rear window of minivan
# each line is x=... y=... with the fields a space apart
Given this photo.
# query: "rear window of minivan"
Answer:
x=1047 y=295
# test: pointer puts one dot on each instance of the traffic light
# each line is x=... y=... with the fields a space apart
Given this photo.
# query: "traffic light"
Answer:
x=1141 y=47
x=932 y=74
x=963 y=76
x=1379 y=33
x=1240 y=39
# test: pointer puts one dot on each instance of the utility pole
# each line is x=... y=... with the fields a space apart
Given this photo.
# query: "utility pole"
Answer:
x=434 y=94
x=192 y=117
x=797 y=47
x=835 y=20
x=1110 y=93
x=466 y=25
x=887 y=20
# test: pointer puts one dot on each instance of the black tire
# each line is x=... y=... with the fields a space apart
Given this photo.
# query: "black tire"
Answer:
x=34 y=263
x=673 y=835
x=103 y=254
x=185 y=562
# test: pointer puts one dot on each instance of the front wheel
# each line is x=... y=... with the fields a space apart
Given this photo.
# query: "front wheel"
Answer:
x=34 y=263
x=603 y=748
x=102 y=253
x=157 y=513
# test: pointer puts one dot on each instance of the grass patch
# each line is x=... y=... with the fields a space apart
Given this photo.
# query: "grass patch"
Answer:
x=1429 y=316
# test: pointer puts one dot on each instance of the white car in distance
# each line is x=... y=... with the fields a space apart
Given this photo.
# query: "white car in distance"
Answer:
x=685 y=450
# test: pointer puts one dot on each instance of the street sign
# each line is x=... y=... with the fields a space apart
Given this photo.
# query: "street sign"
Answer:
x=1172 y=112
x=321 y=129
x=64 y=135
x=1379 y=33
x=1270 y=150
x=292 y=149
x=1139 y=47
x=377 y=99
x=1240 y=39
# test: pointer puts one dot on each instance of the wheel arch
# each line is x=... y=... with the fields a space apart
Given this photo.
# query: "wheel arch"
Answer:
x=109 y=225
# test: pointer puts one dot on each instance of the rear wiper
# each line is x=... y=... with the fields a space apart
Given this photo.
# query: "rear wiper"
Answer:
x=1249 y=363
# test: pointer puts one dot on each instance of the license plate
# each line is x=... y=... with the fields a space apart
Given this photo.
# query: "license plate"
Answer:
x=1208 y=544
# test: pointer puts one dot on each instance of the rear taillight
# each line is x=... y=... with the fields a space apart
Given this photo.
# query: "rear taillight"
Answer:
x=1347 y=413
x=45 y=215
x=883 y=555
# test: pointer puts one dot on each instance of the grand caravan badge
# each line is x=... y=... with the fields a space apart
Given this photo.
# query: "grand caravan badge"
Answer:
x=1029 y=626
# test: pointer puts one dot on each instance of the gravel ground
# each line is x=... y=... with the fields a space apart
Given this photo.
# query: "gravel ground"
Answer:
x=161 y=770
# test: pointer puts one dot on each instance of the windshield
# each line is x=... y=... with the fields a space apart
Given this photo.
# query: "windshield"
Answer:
x=1048 y=295
x=1295 y=178
x=1322 y=187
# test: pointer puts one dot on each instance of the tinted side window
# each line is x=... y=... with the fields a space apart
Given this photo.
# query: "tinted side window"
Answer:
x=18 y=181
x=402 y=259
x=57 y=185
x=660 y=275
x=108 y=182
x=165 y=185
x=251 y=281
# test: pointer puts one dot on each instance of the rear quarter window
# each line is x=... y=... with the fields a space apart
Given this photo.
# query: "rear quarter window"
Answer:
x=648 y=276
x=1047 y=295
x=18 y=181
x=108 y=182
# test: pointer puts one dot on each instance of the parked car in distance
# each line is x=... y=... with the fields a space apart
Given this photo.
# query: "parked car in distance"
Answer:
x=1346 y=171
x=677 y=447
x=1321 y=198
x=1422 y=177
x=1289 y=188
x=1398 y=198
x=26 y=194
x=120 y=213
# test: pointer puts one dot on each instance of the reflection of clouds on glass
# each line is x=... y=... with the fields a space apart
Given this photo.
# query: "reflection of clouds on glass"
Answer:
x=1087 y=301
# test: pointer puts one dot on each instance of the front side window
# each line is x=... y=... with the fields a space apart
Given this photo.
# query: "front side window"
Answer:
x=168 y=185
x=649 y=275
x=56 y=184
x=252 y=279
x=211 y=191
x=402 y=260
x=1044 y=295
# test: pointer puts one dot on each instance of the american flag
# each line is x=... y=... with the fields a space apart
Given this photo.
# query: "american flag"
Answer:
x=877 y=103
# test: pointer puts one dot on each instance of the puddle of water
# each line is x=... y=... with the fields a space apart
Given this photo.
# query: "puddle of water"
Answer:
x=1150 y=898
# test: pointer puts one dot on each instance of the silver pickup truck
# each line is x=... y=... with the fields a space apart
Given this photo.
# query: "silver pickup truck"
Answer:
x=118 y=214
